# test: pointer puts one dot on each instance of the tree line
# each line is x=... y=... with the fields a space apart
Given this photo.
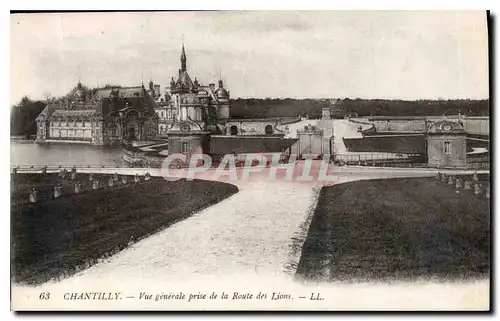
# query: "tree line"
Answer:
x=23 y=114
x=312 y=108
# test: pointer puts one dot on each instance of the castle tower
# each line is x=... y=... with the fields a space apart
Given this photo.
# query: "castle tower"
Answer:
x=223 y=99
x=183 y=59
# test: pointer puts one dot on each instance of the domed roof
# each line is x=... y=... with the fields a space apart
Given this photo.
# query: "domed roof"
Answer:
x=445 y=127
x=221 y=93
x=79 y=93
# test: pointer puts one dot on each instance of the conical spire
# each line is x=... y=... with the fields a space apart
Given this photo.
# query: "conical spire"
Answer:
x=183 y=56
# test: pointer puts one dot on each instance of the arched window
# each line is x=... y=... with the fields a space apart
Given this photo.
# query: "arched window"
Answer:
x=234 y=130
x=269 y=129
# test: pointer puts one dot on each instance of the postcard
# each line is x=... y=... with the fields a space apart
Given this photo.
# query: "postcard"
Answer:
x=250 y=161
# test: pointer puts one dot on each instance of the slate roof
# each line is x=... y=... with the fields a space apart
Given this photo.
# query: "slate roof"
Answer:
x=72 y=113
x=123 y=92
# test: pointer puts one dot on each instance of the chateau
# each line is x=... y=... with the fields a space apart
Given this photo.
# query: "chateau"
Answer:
x=186 y=99
x=110 y=116
x=188 y=117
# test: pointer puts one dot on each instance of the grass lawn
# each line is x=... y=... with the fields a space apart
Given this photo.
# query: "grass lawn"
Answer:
x=396 y=229
x=57 y=237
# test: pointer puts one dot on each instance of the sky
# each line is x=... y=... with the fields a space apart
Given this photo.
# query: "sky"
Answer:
x=278 y=54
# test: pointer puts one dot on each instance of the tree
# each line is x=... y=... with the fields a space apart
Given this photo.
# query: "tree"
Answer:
x=23 y=116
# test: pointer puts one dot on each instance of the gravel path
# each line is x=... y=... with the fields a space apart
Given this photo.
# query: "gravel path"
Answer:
x=248 y=233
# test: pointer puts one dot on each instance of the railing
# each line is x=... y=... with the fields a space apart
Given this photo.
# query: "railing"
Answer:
x=59 y=167
x=379 y=159
x=374 y=156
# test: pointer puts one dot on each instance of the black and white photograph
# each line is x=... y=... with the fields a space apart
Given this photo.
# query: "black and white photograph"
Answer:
x=250 y=160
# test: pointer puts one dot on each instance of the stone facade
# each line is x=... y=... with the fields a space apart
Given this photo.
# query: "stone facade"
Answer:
x=186 y=99
x=251 y=127
x=110 y=116
x=446 y=145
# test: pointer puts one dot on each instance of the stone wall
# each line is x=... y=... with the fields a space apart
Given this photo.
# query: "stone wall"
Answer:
x=477 y=125
x=187 y=144
x=400 y=125
x=257 y=127
x=456 y=157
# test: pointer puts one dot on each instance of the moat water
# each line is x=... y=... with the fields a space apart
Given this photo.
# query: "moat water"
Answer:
x=29 y=153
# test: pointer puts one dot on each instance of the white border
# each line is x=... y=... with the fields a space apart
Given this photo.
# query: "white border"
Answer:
x=188 y=5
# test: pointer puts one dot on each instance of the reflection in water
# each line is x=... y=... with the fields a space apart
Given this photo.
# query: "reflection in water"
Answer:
x=23 y=153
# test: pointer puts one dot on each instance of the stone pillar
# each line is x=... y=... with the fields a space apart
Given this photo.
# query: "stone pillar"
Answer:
x=477 y=189
x=458 y=184
x=57 y=191
x=33 y=195
x=451 y=180
x=475 y=177
x=78 y=188
x=95 y=184
x=467 y=185
x=115 y=177
x=136 y=178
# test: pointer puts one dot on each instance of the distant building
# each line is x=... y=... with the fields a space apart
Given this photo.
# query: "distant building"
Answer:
x=446 y=145
x=186 y=99
x=110 y=116
x=200 y=121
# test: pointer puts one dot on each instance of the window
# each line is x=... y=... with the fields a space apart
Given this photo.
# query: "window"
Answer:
x=447 y=149
x=184 y=147
x=268 y=129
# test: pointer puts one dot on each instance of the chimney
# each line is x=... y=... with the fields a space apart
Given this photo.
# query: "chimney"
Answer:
x=212 y=87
